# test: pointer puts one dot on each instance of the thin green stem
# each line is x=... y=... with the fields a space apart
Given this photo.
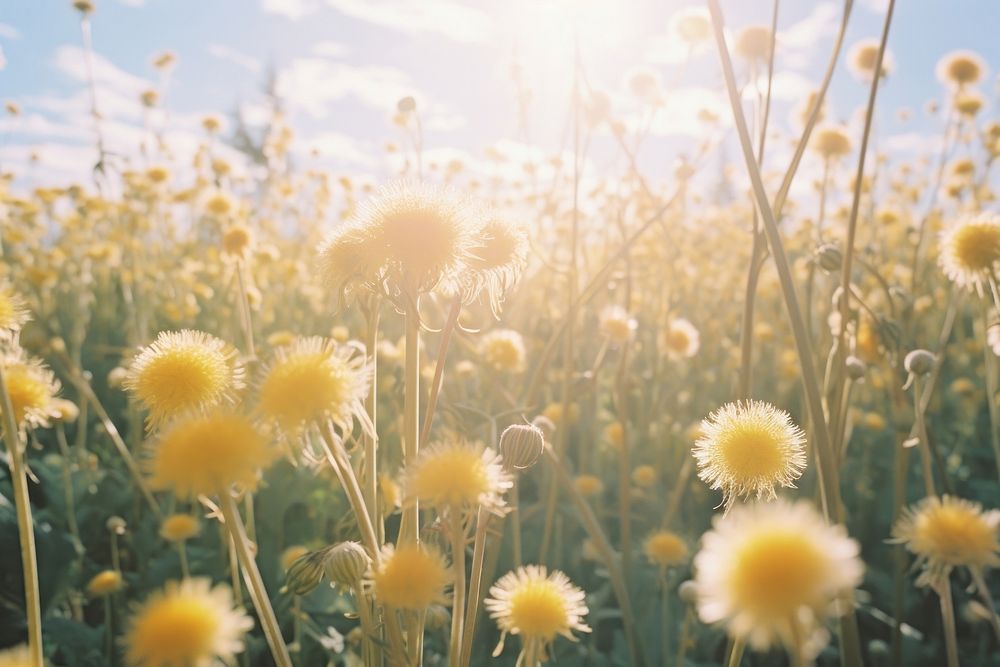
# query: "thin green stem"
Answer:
x=948 y=623
x=409 y=530
x=457 y=530
x=475 y=583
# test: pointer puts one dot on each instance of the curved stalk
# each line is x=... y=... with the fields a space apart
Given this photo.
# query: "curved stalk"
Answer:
x=458 y=589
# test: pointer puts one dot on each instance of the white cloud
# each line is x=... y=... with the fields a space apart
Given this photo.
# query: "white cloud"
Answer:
x=449 y=18
x=798 y=42
x=238 y=58
x=330 y=49
x=8 y=31
x=71 y=60
x=312 y=84
x=339 y=147
x=291 y=9
x=132 y=3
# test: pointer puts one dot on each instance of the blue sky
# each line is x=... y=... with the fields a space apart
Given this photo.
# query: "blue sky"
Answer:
x=341 y=65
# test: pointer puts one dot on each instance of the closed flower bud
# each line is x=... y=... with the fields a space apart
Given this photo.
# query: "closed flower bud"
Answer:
x=856 y=368
x=305 y=573
x=688 y=592
x=919 y=362
x=547 y=426
x=346 y=563
x=521 y=445
x=116 y=525
x=829 y=258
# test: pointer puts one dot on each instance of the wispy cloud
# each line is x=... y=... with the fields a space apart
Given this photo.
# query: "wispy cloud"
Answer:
x=292 y=9
x=312 y=84
x=238 y=58
x=71 y=61
x=8 y=31
x=449 y=18
x=798 y=42
x=330 y=49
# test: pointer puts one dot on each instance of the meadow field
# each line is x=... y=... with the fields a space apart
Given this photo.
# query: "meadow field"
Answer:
x=685 y=361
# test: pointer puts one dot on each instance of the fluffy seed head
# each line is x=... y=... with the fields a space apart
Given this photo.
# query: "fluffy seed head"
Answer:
x=32 y=388
x=188 y=623
x=207 y=454
x=771 y=572
x=184 y=371
x=13 y=313
x=747 y=449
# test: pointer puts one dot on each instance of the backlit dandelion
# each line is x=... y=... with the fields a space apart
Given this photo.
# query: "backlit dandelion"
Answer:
x=961 y=68
x=205 y=455
x=772 y=573
x=32 y=388
x=184 y=371
x=747 y=449
x=312 y=380
x=503 y=350
x=680 y=339
x=13 y=312
x=188 y=623
x=538 y=606
x=456 y=474
x=411 y=576
x=970 y=250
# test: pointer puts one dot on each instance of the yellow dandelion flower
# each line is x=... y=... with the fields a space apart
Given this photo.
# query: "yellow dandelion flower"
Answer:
x=184 y=371
x=644 y=476
x=312 y=380
x=691 y=25
x=588 y=485
x=538 y=606
x=617 y=325
x=188 y=623
x=970 y=250
x=831 y=142
x=862 y=56
x=496 y=259
x=665 y=549
x=754 y=43
x=179 y=527
x=680 y=339
x=772 y=573
x=456 y=474
x=105 y=583
x=503 y=350
x=32 y=388
x=392 y=495
x=961 y=68
x=948 y=532
x=411 y=576
x=614 y=433
x=13 y=313
x=236 y=240
x=207 y=454
x=219 y=204
x=747 y=449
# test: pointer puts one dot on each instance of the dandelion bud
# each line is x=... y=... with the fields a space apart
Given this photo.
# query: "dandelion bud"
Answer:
x=116 y=525
x=829 y=258
x=346 y=563
x=919 y=362
x=855 y=368
x=688 y=592
x=305 y=573
x=521 y=445
x=65 y=411
x=84 y=6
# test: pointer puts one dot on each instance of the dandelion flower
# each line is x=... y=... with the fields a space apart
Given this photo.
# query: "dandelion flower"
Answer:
x=961 y=68
x=538 y=606
x=616 y=324
x=456 y=474
x=105 y=583
x=691 y=25
x=411 y=576
x=236 y=241
x=681 y=339
x=588 y=485
x=312 y=380
x=747 y=449
x=772 y=572
x=754 y=43
x=644 y=476
x=496 y=259
x=13 y=313
x=184 y=371
x=179 y=528
x=32 y=388
x=970 y=250
x=206 y=454
x=189 y=623
x=949 y=532
x=862 y=56
x=665 y=549
x=503 y=350
x=831 y=142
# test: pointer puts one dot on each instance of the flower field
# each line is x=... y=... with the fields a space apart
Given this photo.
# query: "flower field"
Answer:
x=592 y=398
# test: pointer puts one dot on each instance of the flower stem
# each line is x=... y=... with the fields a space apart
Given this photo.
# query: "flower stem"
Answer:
x=409 y=528
x=475 y=584
x=735 y=653
x=948 y=621
x=234 y=524
x=25 y=524
x=458 y=589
